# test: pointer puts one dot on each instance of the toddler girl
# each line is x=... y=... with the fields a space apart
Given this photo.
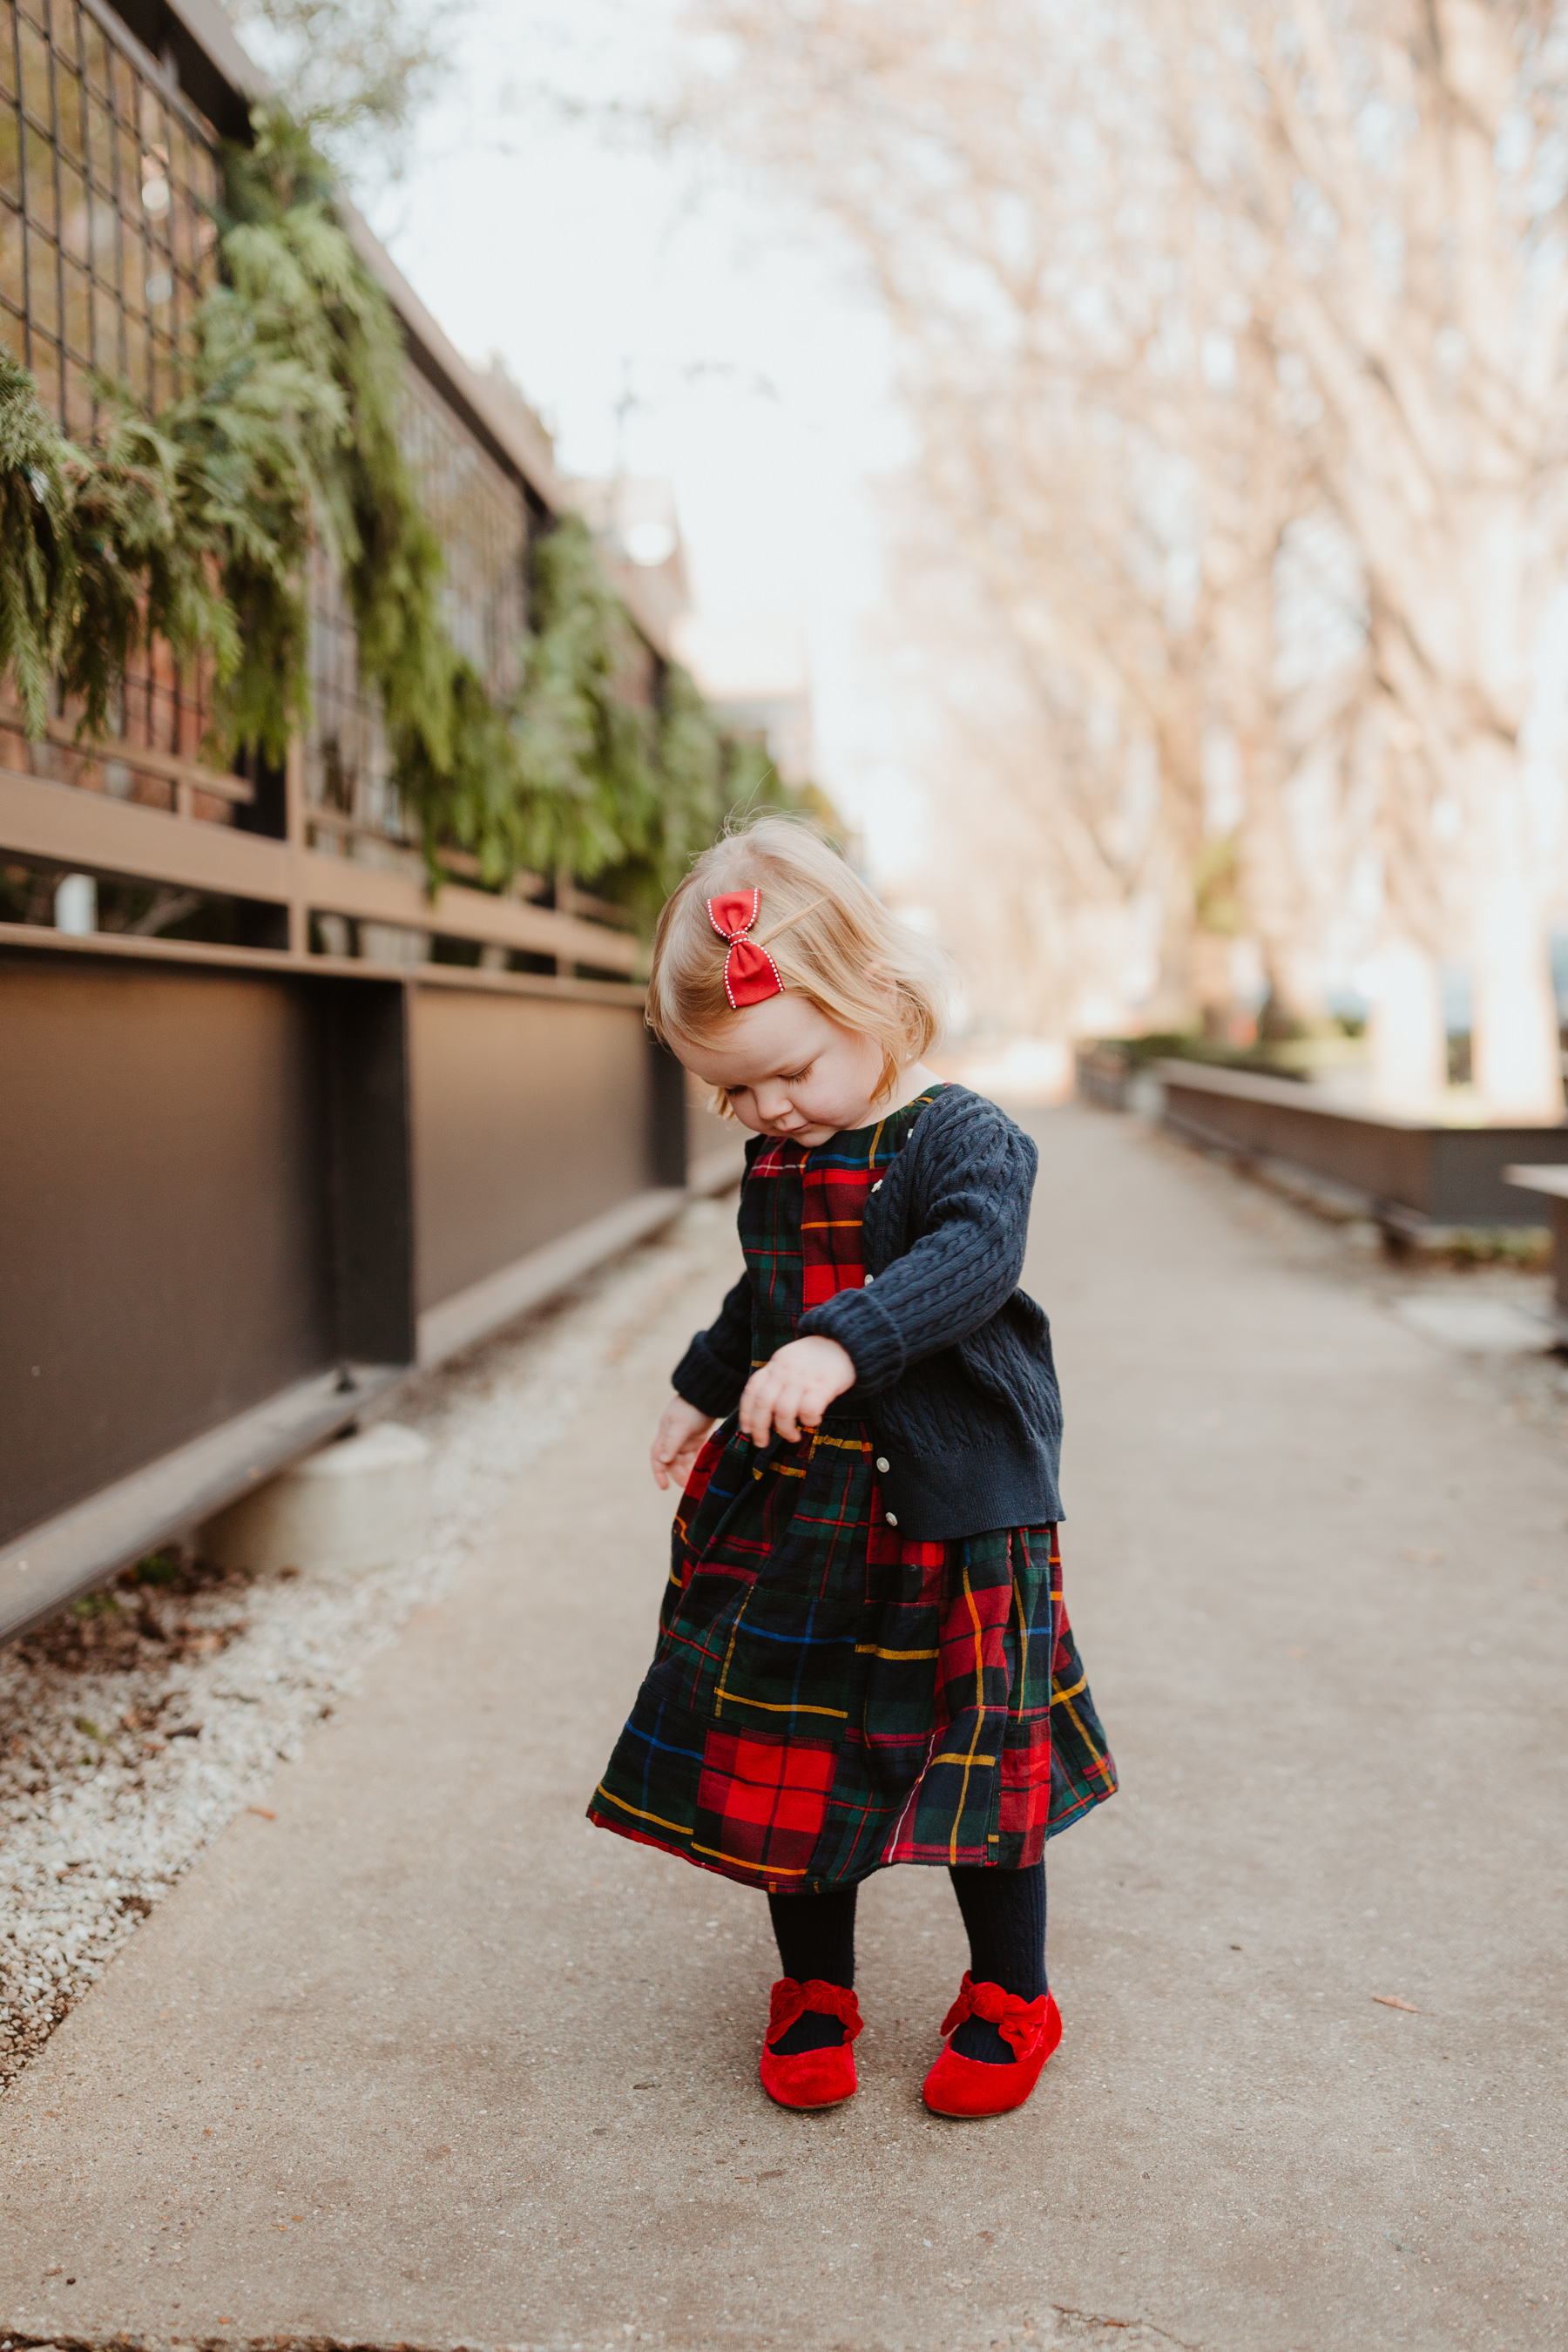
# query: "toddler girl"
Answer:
x=863 y=1655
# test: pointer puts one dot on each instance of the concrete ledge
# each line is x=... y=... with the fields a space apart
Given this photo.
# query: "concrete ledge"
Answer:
x=1408 y=1172
x=63 y=1556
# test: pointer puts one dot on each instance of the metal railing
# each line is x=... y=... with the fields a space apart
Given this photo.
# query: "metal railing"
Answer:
x=249 y=1183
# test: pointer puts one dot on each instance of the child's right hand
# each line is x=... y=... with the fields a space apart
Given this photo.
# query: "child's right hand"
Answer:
x=677 y=1441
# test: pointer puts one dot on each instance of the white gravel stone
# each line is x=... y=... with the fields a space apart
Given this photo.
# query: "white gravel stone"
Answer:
x=111 y=1781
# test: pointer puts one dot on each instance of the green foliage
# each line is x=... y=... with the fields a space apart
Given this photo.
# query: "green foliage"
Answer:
x=191 y=527
x=291 y=265
x=37 y=566
x=145 y=553
x=573 y=774
x=156 y=1567
x=196 y=527
x=95 y=1604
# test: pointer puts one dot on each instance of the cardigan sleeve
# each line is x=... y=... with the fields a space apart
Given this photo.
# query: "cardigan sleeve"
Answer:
x=718 y=1364
x=961 y=1270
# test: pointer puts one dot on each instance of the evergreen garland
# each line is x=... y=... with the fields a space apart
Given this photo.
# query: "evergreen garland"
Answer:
x=37 y=566
x=196 y=527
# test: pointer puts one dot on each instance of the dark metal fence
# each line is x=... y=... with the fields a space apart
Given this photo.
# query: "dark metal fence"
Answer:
x=249 y=1181
x=239 y=1202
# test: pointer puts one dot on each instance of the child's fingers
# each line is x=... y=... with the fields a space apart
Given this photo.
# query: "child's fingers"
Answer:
x=756 y=1409
x=814 y=1402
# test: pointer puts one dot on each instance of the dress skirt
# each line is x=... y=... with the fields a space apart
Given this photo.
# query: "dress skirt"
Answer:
x=827 y=1699
x=828 y=1696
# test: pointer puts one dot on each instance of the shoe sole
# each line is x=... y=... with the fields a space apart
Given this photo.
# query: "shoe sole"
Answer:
x=958 y=2115
x=816 y=2108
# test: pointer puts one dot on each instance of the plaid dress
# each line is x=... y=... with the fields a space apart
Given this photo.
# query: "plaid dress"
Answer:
x=826 y=1697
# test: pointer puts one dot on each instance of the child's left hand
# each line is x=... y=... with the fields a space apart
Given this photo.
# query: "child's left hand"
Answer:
x=794 y=1388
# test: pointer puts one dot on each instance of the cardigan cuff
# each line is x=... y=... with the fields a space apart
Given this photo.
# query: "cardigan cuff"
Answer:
x=706 y=1381
x=867 y=1334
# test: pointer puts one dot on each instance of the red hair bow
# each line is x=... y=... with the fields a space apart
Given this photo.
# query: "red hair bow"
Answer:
x=750 y=972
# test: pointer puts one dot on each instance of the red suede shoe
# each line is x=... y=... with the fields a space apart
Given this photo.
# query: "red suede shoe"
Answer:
x=811 y=2078
x=967 y=2086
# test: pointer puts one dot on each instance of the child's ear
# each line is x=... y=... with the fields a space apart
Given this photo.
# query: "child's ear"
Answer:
x=881 y=980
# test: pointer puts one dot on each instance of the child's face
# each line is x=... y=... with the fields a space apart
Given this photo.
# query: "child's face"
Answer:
x=789 y=1070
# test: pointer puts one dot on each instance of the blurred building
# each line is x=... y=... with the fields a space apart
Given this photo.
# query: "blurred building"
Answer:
x=753 y=671
x=633 y=520
x=755 y=675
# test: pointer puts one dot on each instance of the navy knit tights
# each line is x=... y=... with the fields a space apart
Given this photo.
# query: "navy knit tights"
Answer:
x=1004 y=1918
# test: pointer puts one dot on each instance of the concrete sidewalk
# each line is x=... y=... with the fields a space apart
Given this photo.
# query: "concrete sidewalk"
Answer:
x=425 y=2061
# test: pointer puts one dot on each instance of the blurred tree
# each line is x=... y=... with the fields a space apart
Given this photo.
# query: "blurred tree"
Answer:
x=1104 y=447
x=1175 y=283
x=1392 y=176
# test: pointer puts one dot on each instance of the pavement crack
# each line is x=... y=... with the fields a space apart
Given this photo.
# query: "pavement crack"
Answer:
x=1093 y=2319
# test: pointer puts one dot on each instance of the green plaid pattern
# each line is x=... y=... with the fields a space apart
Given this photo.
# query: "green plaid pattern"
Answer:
x=826 y=1698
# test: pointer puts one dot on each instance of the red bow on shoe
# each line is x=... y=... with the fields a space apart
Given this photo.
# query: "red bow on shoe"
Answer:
x=750 y=972
x=790 y=2001
x=1018 y=2021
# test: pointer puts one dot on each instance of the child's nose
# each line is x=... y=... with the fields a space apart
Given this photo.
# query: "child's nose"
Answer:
x=772 y=1100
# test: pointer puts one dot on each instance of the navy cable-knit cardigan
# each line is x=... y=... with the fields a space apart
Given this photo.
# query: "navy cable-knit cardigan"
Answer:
x=952 y=1361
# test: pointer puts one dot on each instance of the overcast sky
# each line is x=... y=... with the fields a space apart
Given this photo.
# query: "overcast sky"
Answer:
x=662 y=315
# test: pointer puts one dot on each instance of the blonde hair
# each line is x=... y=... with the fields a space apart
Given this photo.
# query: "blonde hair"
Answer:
x=830 y=937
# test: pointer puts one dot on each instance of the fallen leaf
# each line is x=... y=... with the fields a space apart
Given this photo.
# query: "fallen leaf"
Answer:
x=1391 y=2000
x=266 y=1811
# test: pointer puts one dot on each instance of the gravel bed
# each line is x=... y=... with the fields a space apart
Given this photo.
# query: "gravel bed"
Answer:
x=134 y=1726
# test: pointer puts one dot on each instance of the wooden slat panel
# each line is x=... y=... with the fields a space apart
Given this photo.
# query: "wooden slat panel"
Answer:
x=77 y=828
x=88 y=829
x=101 y=748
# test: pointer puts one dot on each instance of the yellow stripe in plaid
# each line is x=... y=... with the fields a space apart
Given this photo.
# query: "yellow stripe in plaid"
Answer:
x=827 y=1697
x=657 y=1818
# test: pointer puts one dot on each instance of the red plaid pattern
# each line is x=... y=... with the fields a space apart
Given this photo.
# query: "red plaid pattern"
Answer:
x=827 y=1696
x=763 y=1800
